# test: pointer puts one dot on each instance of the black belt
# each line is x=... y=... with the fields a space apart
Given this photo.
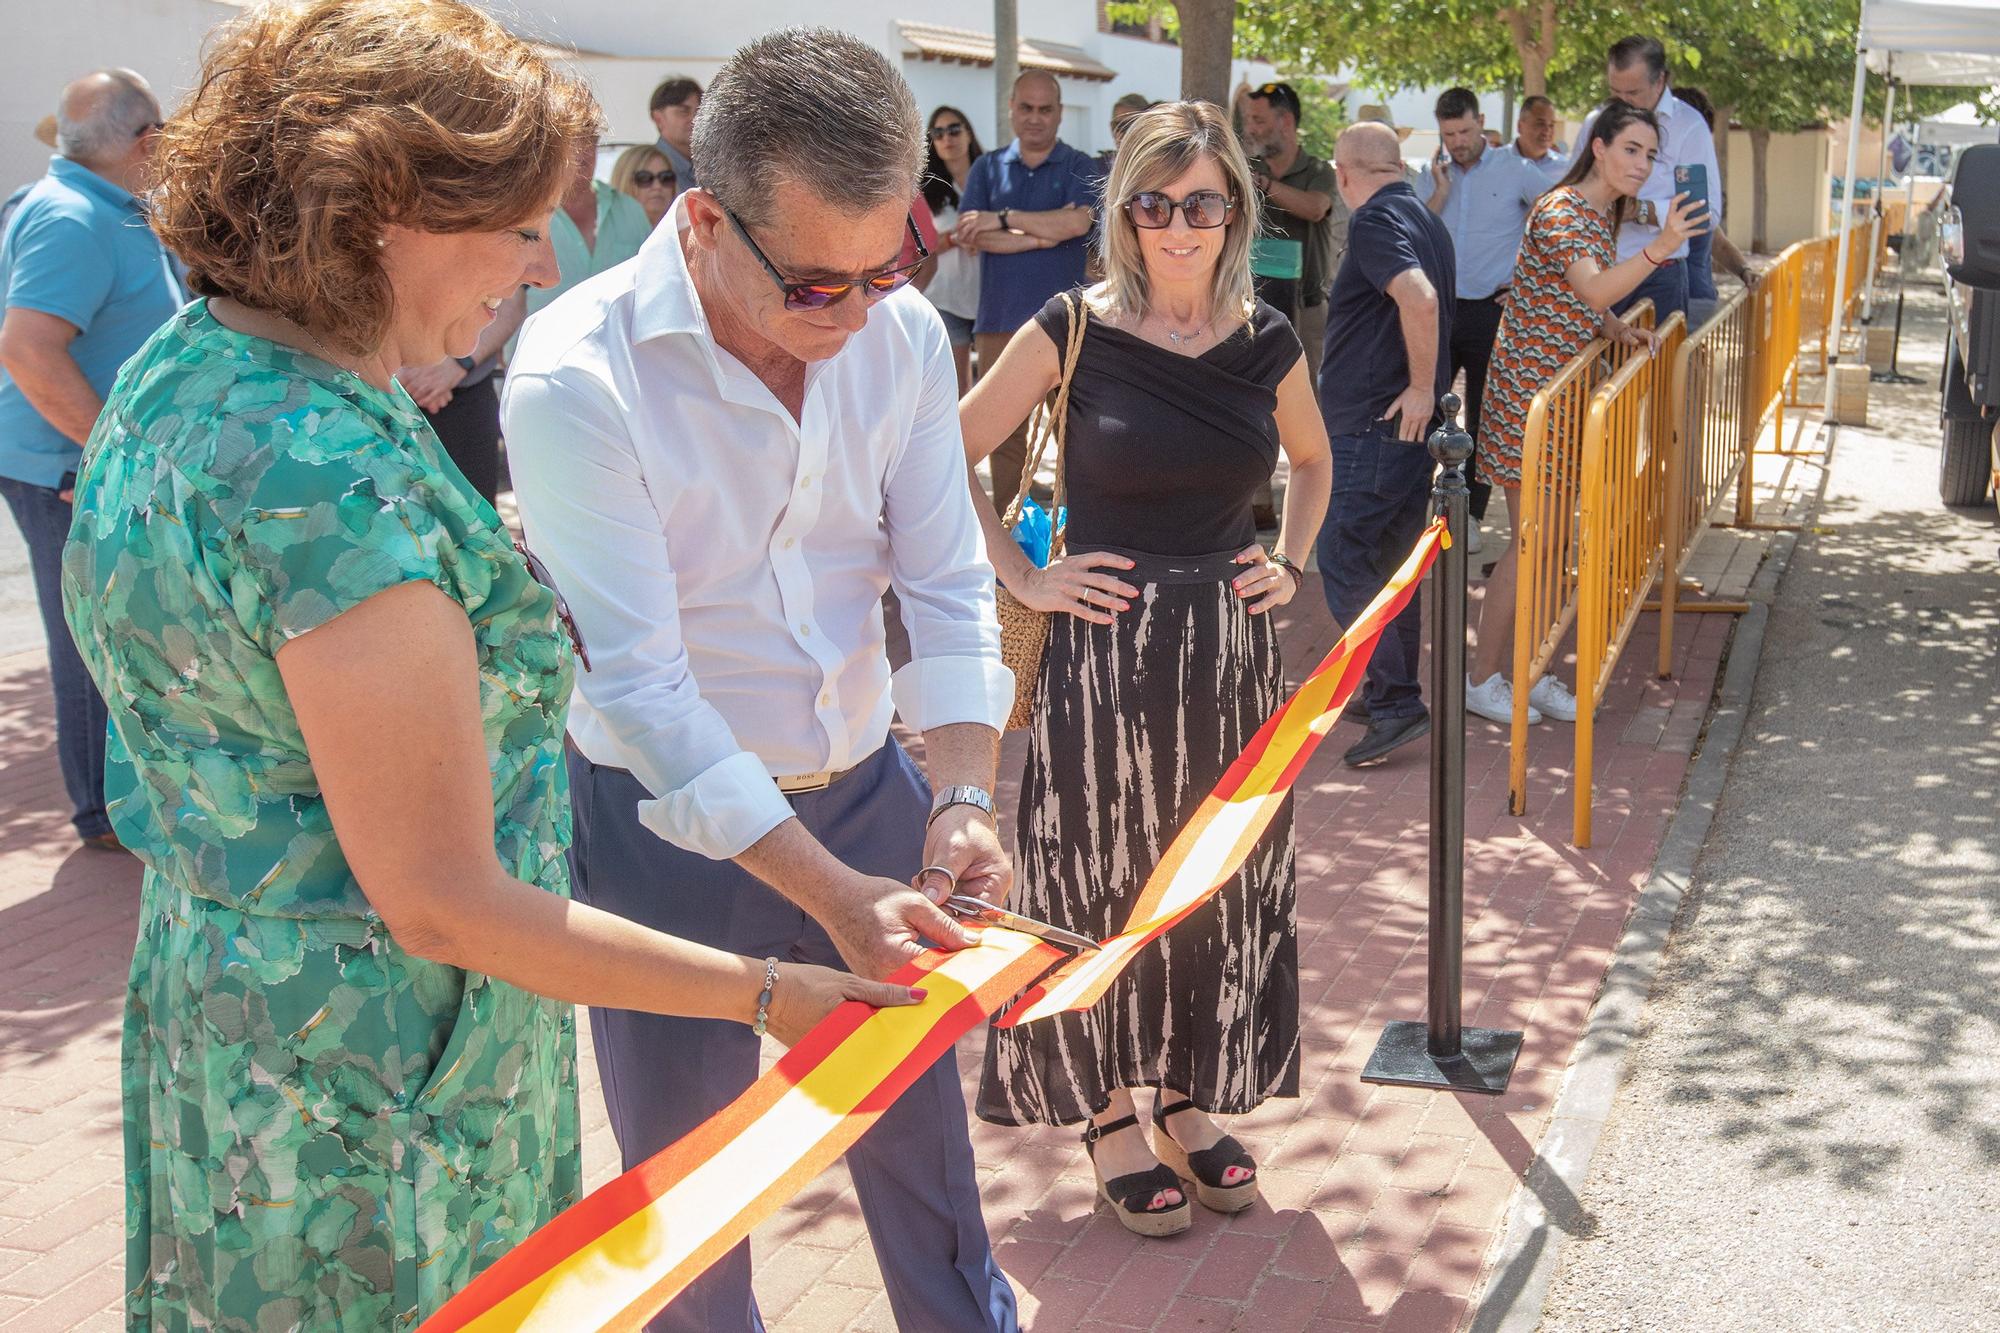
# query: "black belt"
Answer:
x=1498 y=292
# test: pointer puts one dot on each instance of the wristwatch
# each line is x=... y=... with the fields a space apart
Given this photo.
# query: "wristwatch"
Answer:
x=977 y=797
x=1003 y=220
x=1284 y=562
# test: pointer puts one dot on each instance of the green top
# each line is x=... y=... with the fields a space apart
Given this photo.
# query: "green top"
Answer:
x=238 y=495
x=622 y=227
x=322 y=1130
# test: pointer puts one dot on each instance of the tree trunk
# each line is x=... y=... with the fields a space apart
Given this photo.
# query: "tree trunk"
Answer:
x=1006 y=68
x=1208 y=44
x=1760 y=194
x=1724 y=115
x=1533 y=28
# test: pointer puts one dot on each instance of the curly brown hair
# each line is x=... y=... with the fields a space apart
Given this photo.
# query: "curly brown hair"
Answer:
x=316 y=126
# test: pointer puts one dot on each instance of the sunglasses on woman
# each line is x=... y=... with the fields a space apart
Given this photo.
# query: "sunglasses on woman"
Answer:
x=820 y=295
x=1204 y=209
x=539 y=572
x=946 y=131
x=644 y=178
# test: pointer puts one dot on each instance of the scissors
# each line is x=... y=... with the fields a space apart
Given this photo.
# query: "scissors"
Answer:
x=969 y=908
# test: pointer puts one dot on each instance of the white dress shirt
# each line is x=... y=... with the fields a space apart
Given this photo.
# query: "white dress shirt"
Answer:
x=1486 y=213
x=1685 y=140
x=725 y=563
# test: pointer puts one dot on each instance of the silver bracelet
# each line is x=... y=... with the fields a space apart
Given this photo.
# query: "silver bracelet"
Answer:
x=764 y=999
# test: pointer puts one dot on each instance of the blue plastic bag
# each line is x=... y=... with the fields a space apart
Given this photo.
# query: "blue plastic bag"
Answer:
x=1033 y=533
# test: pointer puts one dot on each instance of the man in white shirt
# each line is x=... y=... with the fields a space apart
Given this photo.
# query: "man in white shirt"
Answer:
x=726 y=451
x=1636 y=72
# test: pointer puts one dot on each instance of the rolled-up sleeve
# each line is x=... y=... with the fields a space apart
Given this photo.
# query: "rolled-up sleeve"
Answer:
x=938 y=567
x=590 y=519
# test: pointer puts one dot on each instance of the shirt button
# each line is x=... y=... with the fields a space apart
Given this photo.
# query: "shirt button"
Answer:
x=790 y=542
x=805 y=483
x=805 y=631
x=826 y=700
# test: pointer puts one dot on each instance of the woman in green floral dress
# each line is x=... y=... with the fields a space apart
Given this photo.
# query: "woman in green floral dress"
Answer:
x=337 y=699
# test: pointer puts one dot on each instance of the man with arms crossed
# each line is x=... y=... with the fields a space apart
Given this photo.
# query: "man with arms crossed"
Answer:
x=726 y=451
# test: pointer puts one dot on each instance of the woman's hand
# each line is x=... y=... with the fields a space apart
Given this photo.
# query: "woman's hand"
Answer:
x=1264 y=585
x=1687 y=219
x=1629 y=335
x=1073 y=585
x=805 y=994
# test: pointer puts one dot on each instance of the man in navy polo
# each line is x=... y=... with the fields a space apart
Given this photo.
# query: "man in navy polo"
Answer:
x=1388 y=328
x=1027 y=210
x=85 y=282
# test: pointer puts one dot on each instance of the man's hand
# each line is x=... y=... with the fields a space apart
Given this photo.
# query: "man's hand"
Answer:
x=971 y=224
x=963 y=840
x=879 y=925
x=431 y=386
x=1413 y=405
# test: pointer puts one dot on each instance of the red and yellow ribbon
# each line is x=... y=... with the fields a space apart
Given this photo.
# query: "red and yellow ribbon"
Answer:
x=1212 y=846
x=616 y=1258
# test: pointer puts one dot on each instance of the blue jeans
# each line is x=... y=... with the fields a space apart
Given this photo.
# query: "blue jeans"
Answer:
x=913 y=1170
x=43 y=517
x=1667 y=285
x=1381 y=501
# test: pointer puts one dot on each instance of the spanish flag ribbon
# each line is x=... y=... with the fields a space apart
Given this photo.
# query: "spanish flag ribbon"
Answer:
x=1212 y=846
x=618 y=1256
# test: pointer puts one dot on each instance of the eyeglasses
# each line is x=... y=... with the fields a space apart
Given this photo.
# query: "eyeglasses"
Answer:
x=820 y=295
x=946 y=131
x=644 y=178
x=539 y=572
x=1204 y=209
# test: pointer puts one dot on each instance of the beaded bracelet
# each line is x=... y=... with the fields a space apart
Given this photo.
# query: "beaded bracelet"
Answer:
x=764 y=999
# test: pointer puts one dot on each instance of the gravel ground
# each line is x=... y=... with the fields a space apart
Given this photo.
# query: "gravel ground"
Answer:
x=1809 y=1132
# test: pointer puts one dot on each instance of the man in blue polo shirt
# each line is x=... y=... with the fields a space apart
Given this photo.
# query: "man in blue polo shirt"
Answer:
x=85 y=282
x=1027 y=210
x=1388 y=325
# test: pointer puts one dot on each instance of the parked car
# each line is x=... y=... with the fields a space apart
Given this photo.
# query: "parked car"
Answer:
x=1969 y=244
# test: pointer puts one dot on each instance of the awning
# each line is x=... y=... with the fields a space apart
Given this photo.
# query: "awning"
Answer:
x=1931 y=42
x=963 y=46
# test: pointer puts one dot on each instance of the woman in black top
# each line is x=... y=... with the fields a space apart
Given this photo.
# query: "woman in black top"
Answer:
x=1162 y=668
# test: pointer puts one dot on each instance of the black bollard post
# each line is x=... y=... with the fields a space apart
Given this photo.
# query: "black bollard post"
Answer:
x=1441 y=1053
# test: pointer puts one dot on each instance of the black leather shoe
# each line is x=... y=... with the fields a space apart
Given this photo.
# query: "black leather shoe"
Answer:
x=1384 y=735
x=1355 y=711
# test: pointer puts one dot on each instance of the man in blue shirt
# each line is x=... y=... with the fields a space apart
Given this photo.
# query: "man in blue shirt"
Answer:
x=1483 y=194
x=1535 y=139
x=673 y=107
x=1388 y=323
x=85 y=282
x=1027 y=211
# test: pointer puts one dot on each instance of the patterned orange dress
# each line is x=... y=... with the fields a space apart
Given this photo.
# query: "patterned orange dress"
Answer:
x=1544 y=325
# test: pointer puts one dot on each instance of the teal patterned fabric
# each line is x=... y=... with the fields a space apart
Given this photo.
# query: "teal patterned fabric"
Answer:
x=322 y=1131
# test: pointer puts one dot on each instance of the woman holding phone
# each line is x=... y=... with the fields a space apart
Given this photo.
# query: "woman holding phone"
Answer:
x=1565 y=284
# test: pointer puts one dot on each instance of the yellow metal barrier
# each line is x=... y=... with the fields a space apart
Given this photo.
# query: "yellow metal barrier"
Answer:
x=1714 y=435
x=1627 y=439
x=1546 y=575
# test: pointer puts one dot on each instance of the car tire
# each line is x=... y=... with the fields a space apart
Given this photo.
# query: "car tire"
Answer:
x=1965 y=463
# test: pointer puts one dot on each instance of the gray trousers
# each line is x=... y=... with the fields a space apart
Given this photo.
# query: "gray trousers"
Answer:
x=913 y=1171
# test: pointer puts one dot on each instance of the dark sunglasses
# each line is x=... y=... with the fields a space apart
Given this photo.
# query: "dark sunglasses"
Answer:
x=539 y=572
x=820 y=295
x=1204 y=209
x=946 y=131
x=644 y=178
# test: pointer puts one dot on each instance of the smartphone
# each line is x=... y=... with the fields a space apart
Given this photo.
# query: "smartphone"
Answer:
x=1692 y=180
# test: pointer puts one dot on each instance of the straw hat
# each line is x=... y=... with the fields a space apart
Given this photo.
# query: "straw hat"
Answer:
x=45 y=130
x=1376 y=112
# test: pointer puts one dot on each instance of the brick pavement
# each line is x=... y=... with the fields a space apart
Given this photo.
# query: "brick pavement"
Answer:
x=1380 y=1204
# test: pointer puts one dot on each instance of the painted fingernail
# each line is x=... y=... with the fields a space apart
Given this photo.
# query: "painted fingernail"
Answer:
x=916 y=993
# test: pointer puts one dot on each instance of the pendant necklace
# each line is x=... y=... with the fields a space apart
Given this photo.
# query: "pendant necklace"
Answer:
x=1179 y=339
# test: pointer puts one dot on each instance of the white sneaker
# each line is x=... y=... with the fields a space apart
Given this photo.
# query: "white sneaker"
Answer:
x=1474 y=544
x=1553 y=698
x=1494 y=700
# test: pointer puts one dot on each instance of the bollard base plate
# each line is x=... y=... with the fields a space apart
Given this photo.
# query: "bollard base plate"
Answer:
x=1403 y=1057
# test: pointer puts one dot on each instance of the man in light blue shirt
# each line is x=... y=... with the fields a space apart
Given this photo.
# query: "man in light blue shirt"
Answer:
x=85 y=282
x=1636 y=72
x=1483 y=195
x=1535 y=139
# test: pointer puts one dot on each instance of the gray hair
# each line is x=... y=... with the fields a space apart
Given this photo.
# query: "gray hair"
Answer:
x=101 y=114
x=817 y=107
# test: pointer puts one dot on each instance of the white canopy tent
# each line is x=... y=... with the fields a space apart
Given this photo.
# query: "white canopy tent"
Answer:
x=1928 y=42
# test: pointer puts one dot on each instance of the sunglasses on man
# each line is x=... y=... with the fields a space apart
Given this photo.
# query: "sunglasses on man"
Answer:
x=820 y=295
x=642 y=179
x=1204 y=209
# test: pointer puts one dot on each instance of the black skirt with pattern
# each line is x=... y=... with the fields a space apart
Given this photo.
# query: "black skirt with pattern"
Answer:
x=1135 y=724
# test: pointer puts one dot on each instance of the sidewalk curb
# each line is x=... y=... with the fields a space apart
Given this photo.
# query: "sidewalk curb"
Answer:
x=1547 y=1211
